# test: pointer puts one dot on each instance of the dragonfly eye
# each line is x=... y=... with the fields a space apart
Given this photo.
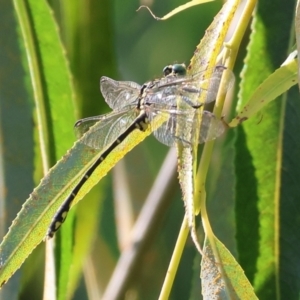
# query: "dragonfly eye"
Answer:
x=175 y=70
x=179 y=69
x=168 y=70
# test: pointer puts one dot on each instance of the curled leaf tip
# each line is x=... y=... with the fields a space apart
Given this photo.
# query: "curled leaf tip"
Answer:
x=150 y=11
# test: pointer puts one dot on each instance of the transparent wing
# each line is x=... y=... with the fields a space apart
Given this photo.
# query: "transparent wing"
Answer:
x=119 y=94
x=169 y=134
x=189 y=88
x=83 y=125
x=104 y=129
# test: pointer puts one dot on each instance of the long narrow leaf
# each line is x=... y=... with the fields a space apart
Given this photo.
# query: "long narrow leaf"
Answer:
x=266 y=185
x=30 y=226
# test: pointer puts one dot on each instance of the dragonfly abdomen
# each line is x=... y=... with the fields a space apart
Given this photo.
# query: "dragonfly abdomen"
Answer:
x=140 y=123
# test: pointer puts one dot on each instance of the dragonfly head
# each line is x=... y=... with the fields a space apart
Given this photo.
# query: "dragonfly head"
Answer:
x=175 y=70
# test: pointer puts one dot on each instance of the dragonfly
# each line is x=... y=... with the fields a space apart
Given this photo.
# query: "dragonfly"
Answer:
x=136 y=106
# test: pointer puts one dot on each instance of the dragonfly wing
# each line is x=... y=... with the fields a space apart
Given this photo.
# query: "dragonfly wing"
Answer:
x=211 y=127
x=168 y=133
x=208 y=89
x=119 y=94
x=107 y=129
x=192 y=89
x=165 y=133
x=83 y=125
x=164 y=92
x=181 y=127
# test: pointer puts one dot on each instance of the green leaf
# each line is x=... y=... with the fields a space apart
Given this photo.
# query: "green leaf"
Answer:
x=53 y=95
x=83 y=47
x=30 y=226
x=266 y=182
x=16 y=130
x=273 y=86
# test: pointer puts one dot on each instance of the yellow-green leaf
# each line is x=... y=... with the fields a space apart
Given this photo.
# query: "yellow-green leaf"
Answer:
x=221 y=275
x=273 y=86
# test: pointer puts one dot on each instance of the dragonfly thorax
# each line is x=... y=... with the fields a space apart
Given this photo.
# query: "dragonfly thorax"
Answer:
x=142 y=95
